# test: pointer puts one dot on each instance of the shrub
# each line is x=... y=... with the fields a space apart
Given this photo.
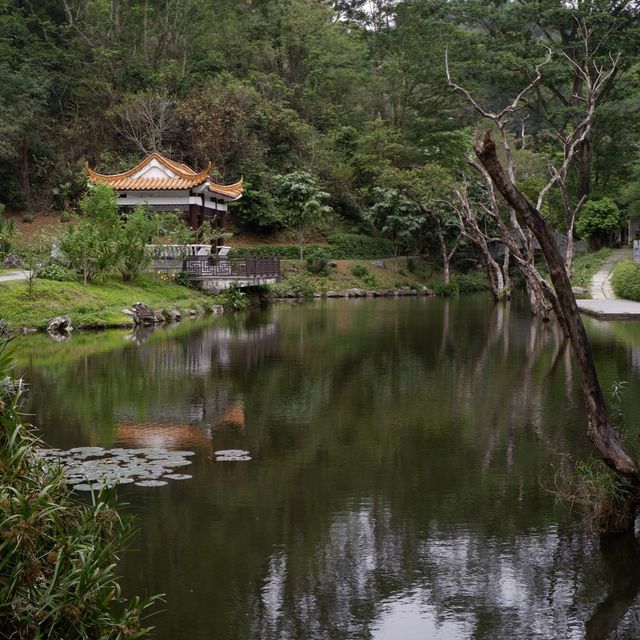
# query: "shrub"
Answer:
x=298 y=284
x=445 y=290
x=27 y=217
x=598 y=219
x=233 y=299
x=341 y=246
x=351 y=246
x=56 y=271
x=131 y=241
x=370 y=280
x=471 y=282
x=7 y=235
x=625 y=280
x=57 y=575
x=283 y=251
x=359 y=271
x=65 y=216
x=318 y=261
x=182 y=278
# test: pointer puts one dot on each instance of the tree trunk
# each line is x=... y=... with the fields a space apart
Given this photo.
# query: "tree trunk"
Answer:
x=599 y=430
x=505 y=273
x=301 y=243
x=584 y=168
x=445 y=256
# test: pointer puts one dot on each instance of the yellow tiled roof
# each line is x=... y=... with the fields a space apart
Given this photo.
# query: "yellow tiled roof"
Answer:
x=186 y=178
x=234 y=190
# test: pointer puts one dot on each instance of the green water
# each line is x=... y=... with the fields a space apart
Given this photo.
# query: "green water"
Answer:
x=402 y=451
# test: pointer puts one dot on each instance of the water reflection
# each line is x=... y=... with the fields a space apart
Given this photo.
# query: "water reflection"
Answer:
x=621 y=562
x=400 y=450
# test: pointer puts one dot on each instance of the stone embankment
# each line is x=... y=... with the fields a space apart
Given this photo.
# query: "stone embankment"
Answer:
x=143 y=316
x=357 y=293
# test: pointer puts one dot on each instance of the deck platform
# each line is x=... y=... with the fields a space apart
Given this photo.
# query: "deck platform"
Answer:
x=610 y=309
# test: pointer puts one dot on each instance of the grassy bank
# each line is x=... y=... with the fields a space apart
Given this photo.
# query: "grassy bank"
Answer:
x=363 y=274
x=93 y=305
x=586 y=265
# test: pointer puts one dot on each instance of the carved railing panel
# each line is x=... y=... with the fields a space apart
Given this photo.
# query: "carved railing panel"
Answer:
x=245 y=267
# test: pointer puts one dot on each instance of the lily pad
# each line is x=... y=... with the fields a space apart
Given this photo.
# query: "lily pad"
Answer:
x=231 y=452
x=177 y=463
x=150 y=483
x=178 y=476
x=87 y=487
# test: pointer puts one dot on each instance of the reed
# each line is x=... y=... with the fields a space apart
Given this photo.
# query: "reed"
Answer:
x=57 y=555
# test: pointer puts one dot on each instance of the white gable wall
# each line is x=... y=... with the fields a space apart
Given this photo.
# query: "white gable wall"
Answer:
x=155 y=170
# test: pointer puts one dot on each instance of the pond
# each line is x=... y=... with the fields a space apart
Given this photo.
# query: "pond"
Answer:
x=402 y=456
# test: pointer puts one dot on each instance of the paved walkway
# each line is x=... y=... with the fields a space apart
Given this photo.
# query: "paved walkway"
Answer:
x=605 y=304
x=14 y=275
x=607 y=309
x=600 y=287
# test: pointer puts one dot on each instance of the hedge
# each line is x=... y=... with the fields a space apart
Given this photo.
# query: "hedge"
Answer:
x=341 y=246
x=351 y=246
x=625 y=280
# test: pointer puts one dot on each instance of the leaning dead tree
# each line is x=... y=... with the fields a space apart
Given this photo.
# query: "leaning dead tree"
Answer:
x=600 y=430
x=501 y=122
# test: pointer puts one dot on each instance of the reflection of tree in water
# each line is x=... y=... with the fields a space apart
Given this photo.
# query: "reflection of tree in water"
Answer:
x=398 y=448
x=164 y=380
x=530 y=586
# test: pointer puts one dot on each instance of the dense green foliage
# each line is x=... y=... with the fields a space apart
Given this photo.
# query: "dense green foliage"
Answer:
x=341 y=246
x=346 y=96
x=625 y=280
x=57 y=555
x=102 y=243
x=599 y=219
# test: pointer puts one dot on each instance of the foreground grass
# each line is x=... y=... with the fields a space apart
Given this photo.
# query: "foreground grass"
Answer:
x=93 y=305
x=586 y=265
x=57 y=555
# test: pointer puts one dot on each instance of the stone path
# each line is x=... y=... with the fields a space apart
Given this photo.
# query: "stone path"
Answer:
x=605 y=304
x=610 y=309
x=600 y=287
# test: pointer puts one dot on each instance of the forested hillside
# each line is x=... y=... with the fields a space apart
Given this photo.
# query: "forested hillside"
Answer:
x=354 y=93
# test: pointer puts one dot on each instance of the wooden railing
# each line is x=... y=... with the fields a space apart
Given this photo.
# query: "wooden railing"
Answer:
x=229 y=268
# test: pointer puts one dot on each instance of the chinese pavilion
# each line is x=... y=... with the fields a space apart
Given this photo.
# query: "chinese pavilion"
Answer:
x=165 y=185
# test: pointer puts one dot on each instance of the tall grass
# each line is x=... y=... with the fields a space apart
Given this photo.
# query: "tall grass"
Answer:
x=57 y=555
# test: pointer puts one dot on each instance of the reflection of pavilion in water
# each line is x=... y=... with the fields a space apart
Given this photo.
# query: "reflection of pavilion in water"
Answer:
x=167 y=432
x=215 y=347
x=203 y=410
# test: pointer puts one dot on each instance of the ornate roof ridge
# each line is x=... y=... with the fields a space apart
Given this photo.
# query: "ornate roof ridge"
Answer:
x=182 y=170
x=234 y=190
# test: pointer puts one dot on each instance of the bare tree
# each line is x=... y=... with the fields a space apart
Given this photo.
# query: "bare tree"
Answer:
x=502 y=120
x=145 y=119
x=497 y=275
x=599 y=428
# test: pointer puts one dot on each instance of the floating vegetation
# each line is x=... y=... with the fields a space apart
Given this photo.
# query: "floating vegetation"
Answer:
x=92 y=468
x=232 y=455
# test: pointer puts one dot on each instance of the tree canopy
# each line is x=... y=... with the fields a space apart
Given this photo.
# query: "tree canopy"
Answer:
x=344 y=91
